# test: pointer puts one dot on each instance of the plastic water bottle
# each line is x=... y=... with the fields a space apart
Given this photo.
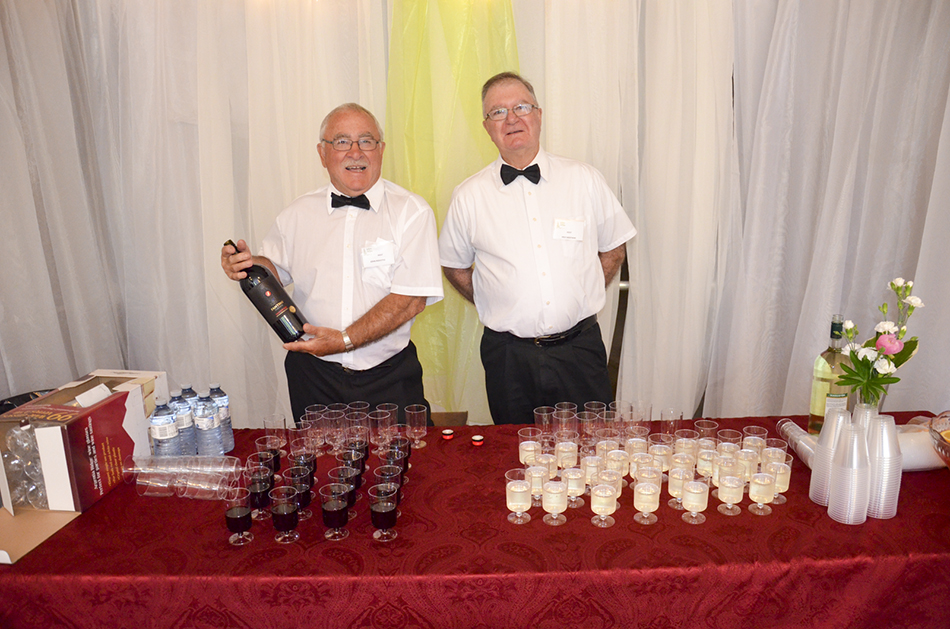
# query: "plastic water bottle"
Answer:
x=163 y=430
x=188 y=394
x=208 y=426
x=223 y=403
x=185 y=420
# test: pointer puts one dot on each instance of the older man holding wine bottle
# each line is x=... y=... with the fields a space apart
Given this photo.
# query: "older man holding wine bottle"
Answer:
x=363 y=257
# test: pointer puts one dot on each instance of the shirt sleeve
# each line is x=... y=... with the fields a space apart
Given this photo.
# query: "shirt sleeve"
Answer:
x=273 y=248
x=614 y=227
x=418 y=273
x=455 y=241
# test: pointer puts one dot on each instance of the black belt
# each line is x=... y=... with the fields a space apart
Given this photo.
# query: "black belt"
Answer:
x=554 y=339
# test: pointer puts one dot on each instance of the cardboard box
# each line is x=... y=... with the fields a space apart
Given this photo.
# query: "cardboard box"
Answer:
x=84 y=430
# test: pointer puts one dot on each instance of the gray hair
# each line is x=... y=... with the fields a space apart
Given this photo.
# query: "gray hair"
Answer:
x=355 y=107
x=501 y=77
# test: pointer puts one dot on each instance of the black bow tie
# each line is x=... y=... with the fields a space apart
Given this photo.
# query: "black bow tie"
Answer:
x=532 y=173
x=339 y=200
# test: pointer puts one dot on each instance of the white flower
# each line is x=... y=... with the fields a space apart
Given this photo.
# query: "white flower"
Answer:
x=910 y=284
x=849 y=324
x=898 y=282
x=886 y=327
x=867 y=352
x=884 y=366
x=914 y=301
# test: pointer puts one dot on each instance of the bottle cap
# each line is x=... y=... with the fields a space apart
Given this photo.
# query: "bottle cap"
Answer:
x=477 y=440
x=448 y=433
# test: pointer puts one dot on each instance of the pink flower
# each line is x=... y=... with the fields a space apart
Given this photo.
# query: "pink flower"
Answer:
x=888 y=344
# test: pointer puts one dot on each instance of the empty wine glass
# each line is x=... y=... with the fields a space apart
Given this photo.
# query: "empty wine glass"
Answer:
x=728 y=435
x=761 y=491
x=576 y=485
x=518 y=496
x=603 y=502
x=554 y=502
x=283 y=509
x=646 y=499
x=382 y=506
x=706 y=427
x=334 y=422
x=380 y=424
x=695 y=500
x=275 y=425
x=333 y=503
x=544 y=419
x=671 y=420
x=238 y=516
x=416 y=423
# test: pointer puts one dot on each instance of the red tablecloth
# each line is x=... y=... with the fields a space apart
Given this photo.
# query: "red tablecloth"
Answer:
x=132 y=561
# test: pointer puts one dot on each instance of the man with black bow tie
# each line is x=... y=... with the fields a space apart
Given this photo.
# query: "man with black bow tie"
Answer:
x=532 y=240
x=363 y=256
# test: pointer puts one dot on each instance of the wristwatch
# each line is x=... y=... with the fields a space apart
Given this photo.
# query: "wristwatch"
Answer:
x=347 y=342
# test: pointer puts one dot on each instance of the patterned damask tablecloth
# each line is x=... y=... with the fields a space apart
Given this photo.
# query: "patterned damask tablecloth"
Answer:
x=132 y=561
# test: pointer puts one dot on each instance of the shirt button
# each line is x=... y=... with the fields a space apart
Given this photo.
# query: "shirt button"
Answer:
x=547 y=303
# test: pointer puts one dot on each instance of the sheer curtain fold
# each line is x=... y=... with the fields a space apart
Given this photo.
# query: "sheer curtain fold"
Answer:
x=838 y=135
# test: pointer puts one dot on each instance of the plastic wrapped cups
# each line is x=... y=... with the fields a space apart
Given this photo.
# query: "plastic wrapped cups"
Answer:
x=850 y=476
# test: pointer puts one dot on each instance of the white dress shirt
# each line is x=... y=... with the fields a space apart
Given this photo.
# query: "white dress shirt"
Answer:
x=343 y=261
x=534 y=246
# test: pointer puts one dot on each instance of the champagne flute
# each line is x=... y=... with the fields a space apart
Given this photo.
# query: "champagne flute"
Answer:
x=761 y=491
x=333 y=503
x=518 y=496
x=576 y=485
x=416 y=422
x=554 y=502
x=283 y=509
x=695 y=500
x=382 y=506
x=603 y=502
x=238 y=516
x=380 y=423
x=275 y=425
x=646 y=499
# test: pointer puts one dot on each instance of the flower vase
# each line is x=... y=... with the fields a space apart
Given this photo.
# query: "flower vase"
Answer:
x=863 y=412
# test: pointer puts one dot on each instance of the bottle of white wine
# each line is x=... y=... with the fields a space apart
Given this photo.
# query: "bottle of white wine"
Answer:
x=826 y=393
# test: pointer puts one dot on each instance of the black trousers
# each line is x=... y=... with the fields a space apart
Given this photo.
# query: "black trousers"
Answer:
x=521 y=376
x=315 y=381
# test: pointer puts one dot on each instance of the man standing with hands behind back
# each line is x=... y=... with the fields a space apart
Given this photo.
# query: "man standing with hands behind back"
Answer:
x=532 y=240
x=363 y=257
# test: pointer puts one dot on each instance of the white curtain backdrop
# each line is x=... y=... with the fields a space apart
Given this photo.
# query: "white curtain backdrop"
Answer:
x=782 y=161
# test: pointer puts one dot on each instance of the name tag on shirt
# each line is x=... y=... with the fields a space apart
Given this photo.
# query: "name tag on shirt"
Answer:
x=567 y=229
x=381 y=253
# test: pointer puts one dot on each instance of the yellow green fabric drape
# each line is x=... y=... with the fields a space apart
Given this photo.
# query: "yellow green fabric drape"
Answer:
x=441 y=52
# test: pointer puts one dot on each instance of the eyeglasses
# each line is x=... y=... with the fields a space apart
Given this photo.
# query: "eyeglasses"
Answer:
x=501 y=113
x=345 y=144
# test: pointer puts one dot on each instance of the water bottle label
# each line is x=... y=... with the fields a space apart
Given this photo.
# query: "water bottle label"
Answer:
x=164 y=431
x=184 y=420
x=207 y=423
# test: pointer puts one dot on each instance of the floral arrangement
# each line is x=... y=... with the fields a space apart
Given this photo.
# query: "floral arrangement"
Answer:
x=873 y=364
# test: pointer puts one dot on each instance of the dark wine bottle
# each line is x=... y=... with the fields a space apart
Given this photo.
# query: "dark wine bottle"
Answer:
x=272 y=301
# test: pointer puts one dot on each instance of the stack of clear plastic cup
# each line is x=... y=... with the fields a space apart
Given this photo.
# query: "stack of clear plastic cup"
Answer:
x=850 y=473
x=135 y=465
x=824 y=454
x=204 y=485
x=886 y=463
x=798 y=439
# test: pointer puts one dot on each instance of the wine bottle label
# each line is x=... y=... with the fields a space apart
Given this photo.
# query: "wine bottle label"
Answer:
x=164 y=431
x=184 y=420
